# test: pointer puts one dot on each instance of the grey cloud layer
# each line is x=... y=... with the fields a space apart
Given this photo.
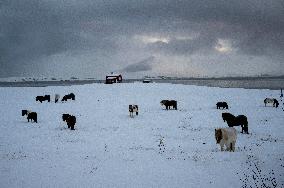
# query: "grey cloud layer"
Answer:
x=32 y=30
x=144 y=65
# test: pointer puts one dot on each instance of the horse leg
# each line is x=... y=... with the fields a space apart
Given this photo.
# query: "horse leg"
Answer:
x=72 y=127
x=222 y=147
x=233 y=146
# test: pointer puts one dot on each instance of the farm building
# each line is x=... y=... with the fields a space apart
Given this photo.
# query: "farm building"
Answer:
x=113 y=78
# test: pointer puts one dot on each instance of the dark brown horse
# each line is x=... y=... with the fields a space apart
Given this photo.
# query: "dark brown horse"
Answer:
x=240 y=120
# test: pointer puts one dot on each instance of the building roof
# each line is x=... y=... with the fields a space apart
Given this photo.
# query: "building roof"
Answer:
x=113 y=75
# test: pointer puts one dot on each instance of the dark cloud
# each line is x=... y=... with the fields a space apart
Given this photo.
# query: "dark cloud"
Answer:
x=32 y=30
x=144 y=65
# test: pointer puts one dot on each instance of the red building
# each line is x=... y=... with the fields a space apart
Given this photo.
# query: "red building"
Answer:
x=113 y=78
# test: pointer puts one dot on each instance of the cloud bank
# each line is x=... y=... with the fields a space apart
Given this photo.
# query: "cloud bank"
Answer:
x=91 y=38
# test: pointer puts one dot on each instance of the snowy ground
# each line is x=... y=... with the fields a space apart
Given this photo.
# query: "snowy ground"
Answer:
x=157 y=148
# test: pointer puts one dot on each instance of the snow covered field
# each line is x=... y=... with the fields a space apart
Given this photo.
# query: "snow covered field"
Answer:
x=157 y=148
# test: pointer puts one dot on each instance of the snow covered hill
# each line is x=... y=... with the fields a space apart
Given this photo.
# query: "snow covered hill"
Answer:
x=157 y=148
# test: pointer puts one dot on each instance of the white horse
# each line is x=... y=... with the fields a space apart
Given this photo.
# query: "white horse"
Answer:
x=133 y=108
x=226 y=136
x=57 y=97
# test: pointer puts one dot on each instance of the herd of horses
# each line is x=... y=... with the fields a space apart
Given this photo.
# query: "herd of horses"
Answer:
x=69 y=119
x=228 y=136
x=224 y=136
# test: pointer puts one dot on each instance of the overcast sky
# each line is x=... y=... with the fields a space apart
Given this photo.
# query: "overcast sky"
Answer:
x=90 y=38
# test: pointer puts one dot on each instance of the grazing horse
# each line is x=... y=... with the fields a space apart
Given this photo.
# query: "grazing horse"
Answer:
x=70 y=120
x=236 y=121
x=226 y=136
x=169 y=103
x=274 y=102
x=222 y=104
x=69 y=96
x=133 y=108
x=30 y=115
x=43 y=98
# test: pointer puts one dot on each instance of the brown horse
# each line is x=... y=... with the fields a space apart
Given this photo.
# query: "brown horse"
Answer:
x=226 y=136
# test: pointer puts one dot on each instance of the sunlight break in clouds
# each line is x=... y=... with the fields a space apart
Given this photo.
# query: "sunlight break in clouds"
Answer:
x=151 y=39
x=223 y=46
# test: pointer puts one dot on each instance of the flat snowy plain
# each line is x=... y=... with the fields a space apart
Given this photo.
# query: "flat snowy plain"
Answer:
x=157 y=148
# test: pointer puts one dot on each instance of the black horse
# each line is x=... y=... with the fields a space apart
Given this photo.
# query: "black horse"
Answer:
x=30 y=115
x=70 y=120
x=169 y=103
x=43 y=98
x=69 y=96
x=236 y=121
x=222 y=104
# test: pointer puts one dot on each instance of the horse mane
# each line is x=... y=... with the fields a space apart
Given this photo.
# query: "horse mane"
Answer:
x=227 y=115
